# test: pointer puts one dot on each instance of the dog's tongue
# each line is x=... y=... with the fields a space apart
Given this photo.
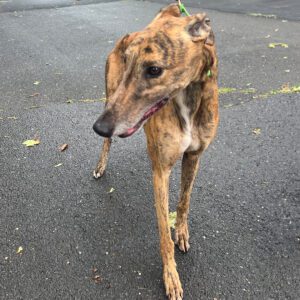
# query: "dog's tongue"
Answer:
x=130 y=131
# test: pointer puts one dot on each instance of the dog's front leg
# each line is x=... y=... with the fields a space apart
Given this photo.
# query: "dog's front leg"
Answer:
x=161 y=193
x=190 y=164
x=101 y=166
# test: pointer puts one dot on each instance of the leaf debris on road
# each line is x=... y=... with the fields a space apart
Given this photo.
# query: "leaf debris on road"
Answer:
x=20 y=250
x=63 y=147
x=31 y=143
x=34 y=95
x=283 y=45
x=256 y=131
x=95 y=276
x=172 y=219
x=111 y=190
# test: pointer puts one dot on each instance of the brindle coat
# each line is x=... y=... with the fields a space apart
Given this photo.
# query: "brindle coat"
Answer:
x=183 y=48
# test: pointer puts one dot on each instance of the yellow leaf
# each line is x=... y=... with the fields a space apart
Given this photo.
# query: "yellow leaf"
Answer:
x=283 y=45
x=256 y=131
x=226 y=90
x=172 y=219
x=20 y=250
x=31 y=143
x=111 y=190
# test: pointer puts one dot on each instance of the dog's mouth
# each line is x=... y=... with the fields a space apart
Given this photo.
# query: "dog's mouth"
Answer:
x=151 y=111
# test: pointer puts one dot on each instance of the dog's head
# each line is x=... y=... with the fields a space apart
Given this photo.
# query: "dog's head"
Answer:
x=147 y=68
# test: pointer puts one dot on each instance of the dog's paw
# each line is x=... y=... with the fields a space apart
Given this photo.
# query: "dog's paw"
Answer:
x=172 y=283
x=98 y=173
x=182 y=237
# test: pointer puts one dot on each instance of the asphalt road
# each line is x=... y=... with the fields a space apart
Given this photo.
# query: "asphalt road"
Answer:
x=245 y=217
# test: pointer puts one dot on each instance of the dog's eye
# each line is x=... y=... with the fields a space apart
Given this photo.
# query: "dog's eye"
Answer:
x=152 y=72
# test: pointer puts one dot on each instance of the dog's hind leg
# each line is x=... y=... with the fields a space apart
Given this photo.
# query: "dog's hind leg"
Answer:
x=190 y=164
x=101 y=166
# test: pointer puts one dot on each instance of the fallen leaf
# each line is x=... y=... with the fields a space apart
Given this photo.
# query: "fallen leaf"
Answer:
x=92 y=100
x=226 y=90
x=12 y=118
x=31 y=143
x=88 y=100
x=256 y=131
x=69 y=101
x=58 y=165
x=295 y=89
x=63 y=147
x=267 y=36
x=287 y=89
x=97 y=278
x=172 y=219
x=287 y=71
x=263 y=15
x=111 y=190
x=283 y=45
x=228 y=105
x=36 y=83
x=34 y=95
x=247 y=91
x=34 y=106
x=20 y=250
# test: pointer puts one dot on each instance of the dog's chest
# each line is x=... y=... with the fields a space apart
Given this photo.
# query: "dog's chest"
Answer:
x=189 y=141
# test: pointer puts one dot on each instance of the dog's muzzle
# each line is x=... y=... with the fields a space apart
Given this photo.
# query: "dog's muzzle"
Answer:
x=104 y=126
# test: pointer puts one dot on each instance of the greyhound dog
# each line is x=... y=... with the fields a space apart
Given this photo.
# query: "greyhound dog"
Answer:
x=164 y=78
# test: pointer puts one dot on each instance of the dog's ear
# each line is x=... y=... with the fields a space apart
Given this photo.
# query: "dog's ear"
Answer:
x=168 y=11
x=200 y=30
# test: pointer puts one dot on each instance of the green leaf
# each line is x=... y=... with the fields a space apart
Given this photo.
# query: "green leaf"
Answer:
x=226 y=90
x=283 y=45
x=31 y=143
x=172 y=219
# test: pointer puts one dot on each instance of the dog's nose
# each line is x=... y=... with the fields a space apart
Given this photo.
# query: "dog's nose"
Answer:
x=104 y=126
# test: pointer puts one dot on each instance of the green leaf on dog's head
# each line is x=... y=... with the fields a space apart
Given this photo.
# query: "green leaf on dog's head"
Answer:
x=31 y=143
